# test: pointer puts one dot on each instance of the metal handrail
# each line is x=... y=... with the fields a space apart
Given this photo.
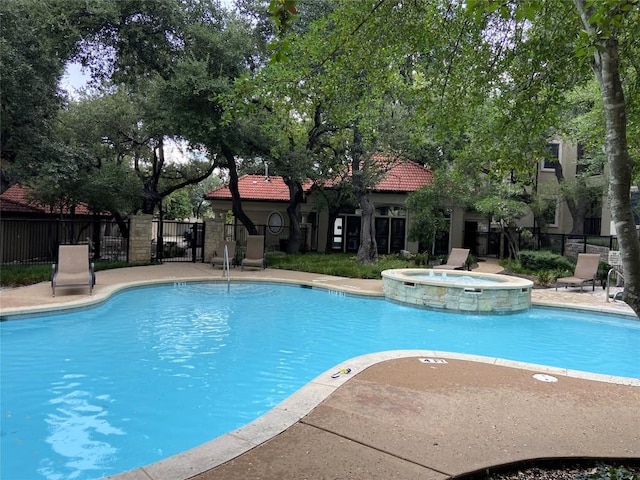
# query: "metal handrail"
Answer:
x=225 y=264
x=618 y=273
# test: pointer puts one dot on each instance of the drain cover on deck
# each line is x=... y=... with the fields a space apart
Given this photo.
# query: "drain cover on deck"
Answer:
x=545 y=378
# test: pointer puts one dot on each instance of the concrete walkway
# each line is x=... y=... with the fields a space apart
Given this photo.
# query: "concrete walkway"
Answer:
x=404 y=419
x=394 y=416
x=38 y=297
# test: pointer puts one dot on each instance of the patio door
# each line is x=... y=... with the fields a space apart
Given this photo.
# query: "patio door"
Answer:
x=353 y=234
x=382 y=235
x=398 y=238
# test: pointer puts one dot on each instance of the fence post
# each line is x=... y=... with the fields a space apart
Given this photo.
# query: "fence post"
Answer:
x=140 y=235
x=213 y=237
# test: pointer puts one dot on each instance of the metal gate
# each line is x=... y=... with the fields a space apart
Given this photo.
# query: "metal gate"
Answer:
x=177 y=241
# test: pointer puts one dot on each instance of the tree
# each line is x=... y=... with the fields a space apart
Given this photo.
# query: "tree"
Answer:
x=39 y=37
x=167 y=64
x=199 y=205
x=505 y=206
x=605 y=27
x=520 y=58
x=177 y=206
x=431 y=205
x=31 y=61
x=351 y=91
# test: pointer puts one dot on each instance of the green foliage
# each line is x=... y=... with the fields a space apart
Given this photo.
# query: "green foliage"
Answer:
x=178 y=206
x=94 y=141
x=420 y=259
x=503 y=202
x=430 y=206
x=283 y=13
x=608 y=472
x=37 y=40
x=343 y=265
x=31 y=61
x=545 y=277
x=20 y=275
x=535 y=261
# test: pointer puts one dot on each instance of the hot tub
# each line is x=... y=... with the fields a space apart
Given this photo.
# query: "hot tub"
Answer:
x=457 y=290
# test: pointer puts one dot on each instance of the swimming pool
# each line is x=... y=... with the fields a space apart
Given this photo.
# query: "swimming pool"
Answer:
x=158 y=370
x=457 y=290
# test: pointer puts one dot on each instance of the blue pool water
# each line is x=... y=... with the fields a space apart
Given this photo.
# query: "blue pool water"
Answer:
x=443 y=279
x=158 y=370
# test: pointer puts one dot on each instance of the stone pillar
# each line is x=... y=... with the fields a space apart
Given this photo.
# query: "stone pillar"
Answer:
x=213 y=237
x=140 y=236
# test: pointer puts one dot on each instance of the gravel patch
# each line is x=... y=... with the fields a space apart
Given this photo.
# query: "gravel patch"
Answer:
x=570 y=471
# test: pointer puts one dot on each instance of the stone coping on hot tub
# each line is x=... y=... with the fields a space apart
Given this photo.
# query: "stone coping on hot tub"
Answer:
x=447 y=290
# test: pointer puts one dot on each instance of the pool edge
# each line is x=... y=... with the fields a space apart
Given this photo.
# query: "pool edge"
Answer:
x=222 y=449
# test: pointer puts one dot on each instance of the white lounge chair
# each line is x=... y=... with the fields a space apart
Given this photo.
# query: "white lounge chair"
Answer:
x=586 y=271
x=218 y=258
x=73 y=268
x=254 y=256
x=457 y=259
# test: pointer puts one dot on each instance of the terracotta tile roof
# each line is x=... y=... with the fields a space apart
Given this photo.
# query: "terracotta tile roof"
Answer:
x=14 y=199
x=401 y=176
x=254 y=187
x=10 y=205
x=404 y=176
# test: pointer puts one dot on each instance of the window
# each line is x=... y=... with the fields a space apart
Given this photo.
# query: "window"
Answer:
x=551 y=213
x=581 y=166
x=274 y=223
x=391 y=211
x=552 y=158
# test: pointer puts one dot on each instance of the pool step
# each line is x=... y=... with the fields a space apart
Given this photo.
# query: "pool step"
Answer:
x=616 y=296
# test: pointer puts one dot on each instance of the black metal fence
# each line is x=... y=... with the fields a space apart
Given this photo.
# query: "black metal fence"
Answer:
x=178 y=241
x=274 y=240
x=488 y=244
x=27 y=241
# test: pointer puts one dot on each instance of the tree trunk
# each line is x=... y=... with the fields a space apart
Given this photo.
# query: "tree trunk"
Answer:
x=607 y=70
x=293 y=209
x=620 y=171
x=123 y=225
x=577 y=207
x=368 y=250
x=236 y=201
x=333 y=215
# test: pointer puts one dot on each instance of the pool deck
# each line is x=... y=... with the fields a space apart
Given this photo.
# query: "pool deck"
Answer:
x=393 y=415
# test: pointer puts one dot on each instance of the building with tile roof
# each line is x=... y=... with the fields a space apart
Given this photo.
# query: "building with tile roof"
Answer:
x=31 y=231
x=265 y=200
x=15 y=202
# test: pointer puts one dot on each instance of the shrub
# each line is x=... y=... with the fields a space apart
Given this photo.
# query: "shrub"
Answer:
x=421 y=259
x=546 y=278
x=542 y=260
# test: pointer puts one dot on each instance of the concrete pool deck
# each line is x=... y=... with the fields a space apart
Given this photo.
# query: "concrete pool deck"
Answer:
x=395 y=416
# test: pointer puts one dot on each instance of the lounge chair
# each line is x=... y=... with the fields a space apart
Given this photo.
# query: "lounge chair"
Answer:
x=218 y=259
x=73 y=268
x=457 y=259
x=586 y=271
x=254 y=256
